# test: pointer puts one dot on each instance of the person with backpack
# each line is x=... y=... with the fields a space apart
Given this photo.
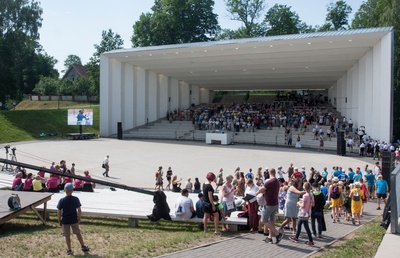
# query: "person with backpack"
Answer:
x=317 y=211
x=356 y=196
x=335 y=198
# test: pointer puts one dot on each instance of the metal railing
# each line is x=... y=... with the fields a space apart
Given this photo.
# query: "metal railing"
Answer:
x=394 y=196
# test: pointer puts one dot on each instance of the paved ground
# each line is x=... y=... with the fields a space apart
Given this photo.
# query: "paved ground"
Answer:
x=135 y=162
x=252 y=245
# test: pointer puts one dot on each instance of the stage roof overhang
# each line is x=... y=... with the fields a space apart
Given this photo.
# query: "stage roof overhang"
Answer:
x=301 y=61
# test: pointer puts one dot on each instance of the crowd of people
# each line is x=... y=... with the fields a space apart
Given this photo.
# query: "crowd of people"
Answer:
x=54 y=183
x=300 y=196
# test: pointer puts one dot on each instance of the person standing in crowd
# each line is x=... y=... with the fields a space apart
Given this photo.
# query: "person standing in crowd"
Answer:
x=252 y=205
x=184 y=209
x=69 y=216
x=106 y=165
x=72 y=170
x=382 y=189
x=290 y=171
x=365 y=194
x=370 y=178
x=335 y=198
x=159 y=180
x=305 y=204
x=220 y=178
x=169 y=176
x=356 y=196
x=317 y=211
x=291 y=210
x=228 y=199
x=209 y=207
x=271 y=192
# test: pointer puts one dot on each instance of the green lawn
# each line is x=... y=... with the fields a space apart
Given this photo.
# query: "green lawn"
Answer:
x=22 y=125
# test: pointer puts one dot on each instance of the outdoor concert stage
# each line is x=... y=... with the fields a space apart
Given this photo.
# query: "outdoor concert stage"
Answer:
x=29 y=201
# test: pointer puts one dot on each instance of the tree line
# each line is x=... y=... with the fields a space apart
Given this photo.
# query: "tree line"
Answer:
x=26 y=68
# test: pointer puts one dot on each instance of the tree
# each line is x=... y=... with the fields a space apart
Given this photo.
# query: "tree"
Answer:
x=22 y=58
x=48 y=86
x=366 y=16
x=71 y=60
x=247 y=12
x=109 y=41
x=337 y=16
x=176 y=22
x=280 y=20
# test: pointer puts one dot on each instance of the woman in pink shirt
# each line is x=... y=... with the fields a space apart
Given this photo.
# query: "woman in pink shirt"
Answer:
x=52 y=184
x=28 y=183
x=77 y=185
x=305 y=207
x=87 y=186
x=17 y=182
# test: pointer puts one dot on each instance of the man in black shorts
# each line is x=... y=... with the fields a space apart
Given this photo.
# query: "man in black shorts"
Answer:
x=271 y=192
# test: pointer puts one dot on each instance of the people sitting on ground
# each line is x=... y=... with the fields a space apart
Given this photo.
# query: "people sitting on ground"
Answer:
x=199 y=206
x=17 y=182
x=184 y=209
x=52 y=184
x=197 y=185
x=78 y=185
x=87 y=185
x=189 y=185
x=28 y=183
x=37 y=184
x=176 y=184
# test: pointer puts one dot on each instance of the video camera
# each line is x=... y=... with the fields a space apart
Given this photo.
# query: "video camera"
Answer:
x=7 y=147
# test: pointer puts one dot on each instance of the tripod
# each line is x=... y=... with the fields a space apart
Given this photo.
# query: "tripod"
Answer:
x=5 y=165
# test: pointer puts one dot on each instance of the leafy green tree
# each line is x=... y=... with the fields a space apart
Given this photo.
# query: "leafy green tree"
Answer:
x=22 y=60
x=366 y=16
x=280 y=20
x=337 y=17
x=48 y=86
x=109 y=41
x=70 y=60
x=176 y=22
x=248 y=12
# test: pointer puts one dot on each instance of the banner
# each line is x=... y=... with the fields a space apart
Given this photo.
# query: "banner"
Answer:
x=80 y=116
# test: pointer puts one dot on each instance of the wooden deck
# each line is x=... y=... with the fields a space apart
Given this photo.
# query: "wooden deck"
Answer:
x=29 y=201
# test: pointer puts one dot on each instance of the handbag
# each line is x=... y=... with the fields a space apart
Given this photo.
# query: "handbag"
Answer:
x=303 y=215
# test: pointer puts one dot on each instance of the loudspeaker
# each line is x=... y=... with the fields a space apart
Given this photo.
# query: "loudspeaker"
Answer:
x=341 y=144
x=388 y=165
x=119 y=130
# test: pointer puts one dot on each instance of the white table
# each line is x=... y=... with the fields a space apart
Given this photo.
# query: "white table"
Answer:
x=224 y=138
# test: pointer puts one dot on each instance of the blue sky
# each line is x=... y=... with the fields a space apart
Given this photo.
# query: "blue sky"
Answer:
x=73 y=27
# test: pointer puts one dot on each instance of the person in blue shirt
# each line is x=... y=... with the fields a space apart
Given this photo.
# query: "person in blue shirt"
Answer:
x=199 y=206
x=381 y=190
x=357 y=176
x=370 y=178
x=336 y=172
x=324 y=174
x=80 y=117
x=324 y=190
x=351 y=176
x=343 y=177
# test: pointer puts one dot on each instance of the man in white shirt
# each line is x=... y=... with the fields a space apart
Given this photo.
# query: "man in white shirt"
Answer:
x=106 y=166
x=184 y=209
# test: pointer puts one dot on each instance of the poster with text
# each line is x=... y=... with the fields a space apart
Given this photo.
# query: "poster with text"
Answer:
x=80 y=116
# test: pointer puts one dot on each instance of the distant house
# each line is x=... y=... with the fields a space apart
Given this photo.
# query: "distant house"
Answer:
x=75 y=71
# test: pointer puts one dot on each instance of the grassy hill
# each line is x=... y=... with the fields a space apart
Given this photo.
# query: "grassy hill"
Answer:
x=32 y=118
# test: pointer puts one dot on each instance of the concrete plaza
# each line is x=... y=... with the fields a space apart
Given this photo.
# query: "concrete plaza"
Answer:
x=134 y=162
